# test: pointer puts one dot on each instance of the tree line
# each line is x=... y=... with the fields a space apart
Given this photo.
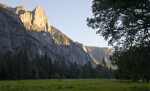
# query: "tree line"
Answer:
x=16 y=67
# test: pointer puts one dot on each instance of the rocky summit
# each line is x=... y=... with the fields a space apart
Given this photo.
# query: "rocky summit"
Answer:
x=21 y=29
x=35 y=20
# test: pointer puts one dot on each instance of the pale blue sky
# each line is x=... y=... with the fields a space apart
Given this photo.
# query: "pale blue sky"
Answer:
x=69 y=16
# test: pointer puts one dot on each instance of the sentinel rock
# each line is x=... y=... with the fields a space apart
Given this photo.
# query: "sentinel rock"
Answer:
x=35 y=20
x=40 y=19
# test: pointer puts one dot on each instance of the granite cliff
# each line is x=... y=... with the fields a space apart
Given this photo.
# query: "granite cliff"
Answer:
x=99 y=54
x=21 y=29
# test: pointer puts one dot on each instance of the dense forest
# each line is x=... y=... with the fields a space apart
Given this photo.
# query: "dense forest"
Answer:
x=16 y=67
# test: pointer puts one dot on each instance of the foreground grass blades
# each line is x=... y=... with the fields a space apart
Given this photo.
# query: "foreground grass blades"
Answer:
x=73 y=85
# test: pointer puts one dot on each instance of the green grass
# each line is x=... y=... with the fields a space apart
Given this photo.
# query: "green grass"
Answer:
x=73 y=85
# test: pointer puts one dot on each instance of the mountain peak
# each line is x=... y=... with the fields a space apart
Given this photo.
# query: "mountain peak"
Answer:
x=22 y=7
x=39 y=8
x=40 y=20
x=20 y=10
x=36 y=20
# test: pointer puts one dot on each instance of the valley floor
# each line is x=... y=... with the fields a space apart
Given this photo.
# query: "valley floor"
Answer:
x=73 y=85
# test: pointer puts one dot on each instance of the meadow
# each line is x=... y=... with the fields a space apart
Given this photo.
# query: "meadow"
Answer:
x=73 y=85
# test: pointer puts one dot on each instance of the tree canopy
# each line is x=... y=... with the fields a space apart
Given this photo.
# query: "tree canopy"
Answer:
x=126 y=26
x=122 y=22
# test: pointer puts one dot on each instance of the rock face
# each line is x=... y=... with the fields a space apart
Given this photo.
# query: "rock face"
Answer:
x=100 y=53
x=11 y=38
x=35 y=20
x=21 y=29
x=17 y=35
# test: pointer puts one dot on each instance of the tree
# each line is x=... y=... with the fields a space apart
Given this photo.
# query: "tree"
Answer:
x=3 y=70
x=56 y=69
x=87 y=71
x=72 y=71
x=126 y=26
x=51 y=68
x=124 y=22
x=110 y=73
x=103 y=62
x=63 y=69
x=76 y=70
x=25 y=64
x=132 y=64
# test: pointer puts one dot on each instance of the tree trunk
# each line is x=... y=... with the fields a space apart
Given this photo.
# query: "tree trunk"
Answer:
x=147 y=79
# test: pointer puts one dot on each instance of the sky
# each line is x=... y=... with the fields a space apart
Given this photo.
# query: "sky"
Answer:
x=69 y=16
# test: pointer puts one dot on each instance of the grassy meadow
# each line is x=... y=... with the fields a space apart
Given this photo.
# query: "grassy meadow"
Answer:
x=73 y=85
